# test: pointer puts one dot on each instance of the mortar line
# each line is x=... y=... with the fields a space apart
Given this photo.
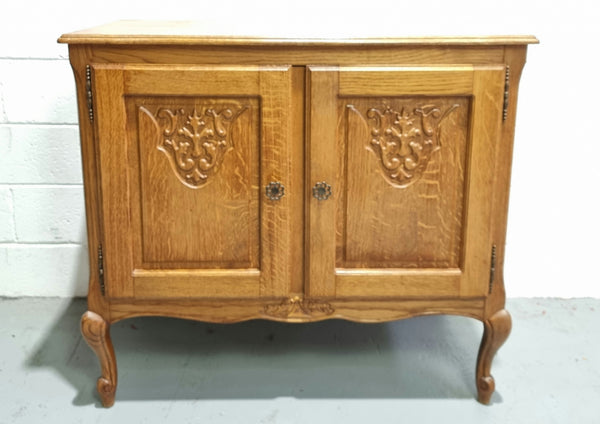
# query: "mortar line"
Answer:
x=22 y=59
x=41 y=185
x=37 y=124
x=41 y=243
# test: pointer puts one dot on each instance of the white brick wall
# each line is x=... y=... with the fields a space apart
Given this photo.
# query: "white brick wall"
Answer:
x=50 y=214
x=38 y=91
x=39 y=269
x=555 y=203
x=42 y=219
x=40 y=154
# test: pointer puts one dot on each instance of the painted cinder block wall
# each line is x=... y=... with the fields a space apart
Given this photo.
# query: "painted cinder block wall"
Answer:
x=554 y=224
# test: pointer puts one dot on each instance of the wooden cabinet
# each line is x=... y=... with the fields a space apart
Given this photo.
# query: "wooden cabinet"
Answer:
x=234 y=178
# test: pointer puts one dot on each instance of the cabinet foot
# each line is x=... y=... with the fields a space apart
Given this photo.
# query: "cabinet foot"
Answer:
x=495 y=332
x=96 y=332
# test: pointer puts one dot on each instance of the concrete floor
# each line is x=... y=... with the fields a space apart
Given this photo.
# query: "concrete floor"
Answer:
x=414 y=371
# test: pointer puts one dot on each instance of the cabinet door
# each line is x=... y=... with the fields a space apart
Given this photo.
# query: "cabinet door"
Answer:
x=409 y=154
x=185 y=155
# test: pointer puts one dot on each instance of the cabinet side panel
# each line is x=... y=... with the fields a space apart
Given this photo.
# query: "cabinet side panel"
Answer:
x=515 y=59
x=403 y=175
x=97 y=303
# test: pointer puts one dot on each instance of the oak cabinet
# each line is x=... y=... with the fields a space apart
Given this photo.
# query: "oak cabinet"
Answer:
x=234 y=178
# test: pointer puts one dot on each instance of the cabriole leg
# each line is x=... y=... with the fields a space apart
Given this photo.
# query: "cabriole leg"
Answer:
x=495 y=332
x=96 y=332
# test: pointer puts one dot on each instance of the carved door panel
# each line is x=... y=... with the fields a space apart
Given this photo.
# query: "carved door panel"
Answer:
x=409 y=155
x=185 y=155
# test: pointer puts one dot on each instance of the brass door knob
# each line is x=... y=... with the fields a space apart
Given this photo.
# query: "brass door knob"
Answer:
x=274 y=190
x=321 y=191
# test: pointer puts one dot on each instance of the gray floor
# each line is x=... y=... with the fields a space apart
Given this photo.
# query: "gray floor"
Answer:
x=414 y=371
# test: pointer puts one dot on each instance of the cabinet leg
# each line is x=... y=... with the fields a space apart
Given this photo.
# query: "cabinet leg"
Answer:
x=96 y=332
x=495 y=332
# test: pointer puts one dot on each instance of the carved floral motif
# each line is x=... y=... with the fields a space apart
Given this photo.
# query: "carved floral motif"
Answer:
x=404 y=140
x=196 y=141
x=298 y=306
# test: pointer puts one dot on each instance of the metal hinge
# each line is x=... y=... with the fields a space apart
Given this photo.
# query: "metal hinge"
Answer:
x=492 y=268
x=88 y=87
x=101 y=270
x=506 y=88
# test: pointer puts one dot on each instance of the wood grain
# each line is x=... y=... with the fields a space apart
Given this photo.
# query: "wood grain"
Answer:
x=379 y=225
x=216 y=226
x=389 y=282
x=89 y=153
x=417 y=80
x=322 y=118
x=359 y=55
x=515 y=60
x=229 y=33
x=486 y=119
x=276 y=166
x=232 y=310
x=185 y=80
x=206 y=283
x=115 y=164
x=213 y=225
x=383 y=225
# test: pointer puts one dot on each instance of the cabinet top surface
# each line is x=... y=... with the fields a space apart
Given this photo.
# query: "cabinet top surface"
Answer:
x=207 y=33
